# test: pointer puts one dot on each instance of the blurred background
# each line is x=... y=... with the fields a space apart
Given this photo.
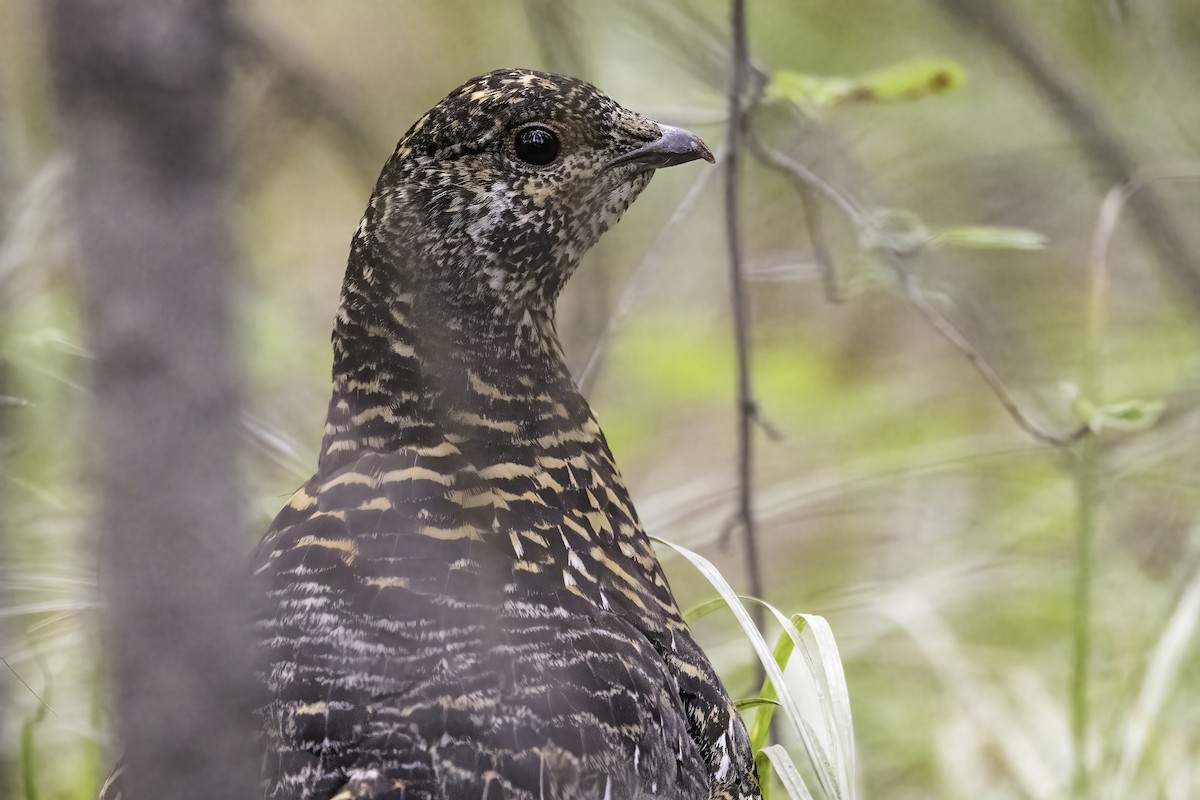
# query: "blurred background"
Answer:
x=896 y=496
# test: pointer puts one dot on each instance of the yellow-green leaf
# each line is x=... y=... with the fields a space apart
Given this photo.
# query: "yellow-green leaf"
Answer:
x=903 y=82
x=910 y=80
x=1127 y=416
x=809 y=90
x=990 y=238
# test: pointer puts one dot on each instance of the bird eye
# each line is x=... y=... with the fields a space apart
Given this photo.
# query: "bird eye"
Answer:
x=536 y=145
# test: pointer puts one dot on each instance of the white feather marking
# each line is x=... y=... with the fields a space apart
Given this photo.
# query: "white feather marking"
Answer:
x=723 y=767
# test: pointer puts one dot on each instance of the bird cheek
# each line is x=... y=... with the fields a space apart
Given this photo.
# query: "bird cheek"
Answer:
x=541 y=193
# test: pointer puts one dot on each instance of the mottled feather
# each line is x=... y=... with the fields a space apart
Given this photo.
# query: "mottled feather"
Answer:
x=462 y=602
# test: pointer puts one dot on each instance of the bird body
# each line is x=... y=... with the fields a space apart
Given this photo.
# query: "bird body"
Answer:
x=462 y=602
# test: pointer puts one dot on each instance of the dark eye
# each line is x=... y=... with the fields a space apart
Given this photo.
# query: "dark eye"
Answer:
x=537 y=145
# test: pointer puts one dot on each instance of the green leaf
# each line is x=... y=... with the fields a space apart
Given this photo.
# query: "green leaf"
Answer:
x=762 y=765
x=911 y=80
x=813 y=639
x=817 y=91
x=904 y=82
x=704 y=609
x=895 y=230
x=1127 y=416
x=754 y=702
x=827 y=773
x=762 y=718
x=785 y=768
x=989 y=238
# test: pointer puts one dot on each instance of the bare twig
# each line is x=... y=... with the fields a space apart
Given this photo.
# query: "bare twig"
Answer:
x=805 y=179
x=918 y=300
x=1115 y=202
x=747 y=406
x=25 y=683
x=1097 y=135
x=821 y=253
x=645 y=269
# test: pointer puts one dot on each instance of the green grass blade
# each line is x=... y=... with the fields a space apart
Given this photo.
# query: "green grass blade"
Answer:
x=1161 y=673
x=703 y=609
x=754 y=702
x=785 y=768
x=762 y=718
x=823 y=665
x=823 y=767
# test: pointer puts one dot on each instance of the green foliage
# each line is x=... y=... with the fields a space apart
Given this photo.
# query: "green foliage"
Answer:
x=823 y=725
x=1124 y=416
x=29 y=753
x=989 y=238
x=904 y=233
x=896 y=473
x=904 y=82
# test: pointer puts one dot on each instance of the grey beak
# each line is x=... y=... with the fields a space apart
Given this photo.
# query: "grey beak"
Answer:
x=675 y=146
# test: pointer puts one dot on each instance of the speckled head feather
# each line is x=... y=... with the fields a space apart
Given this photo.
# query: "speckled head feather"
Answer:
x=502 y=233
x=462 y=602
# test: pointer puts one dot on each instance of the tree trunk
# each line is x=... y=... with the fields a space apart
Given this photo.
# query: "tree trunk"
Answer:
x=142 y=86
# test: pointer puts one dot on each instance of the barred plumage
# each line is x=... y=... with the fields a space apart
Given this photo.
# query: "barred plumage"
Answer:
x=462 y=603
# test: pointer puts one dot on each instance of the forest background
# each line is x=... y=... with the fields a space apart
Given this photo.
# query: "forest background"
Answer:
x=972 y=276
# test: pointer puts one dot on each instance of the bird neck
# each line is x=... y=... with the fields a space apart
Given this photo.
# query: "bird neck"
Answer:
x=414 y=367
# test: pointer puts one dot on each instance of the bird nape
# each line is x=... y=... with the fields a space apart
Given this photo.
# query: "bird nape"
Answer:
x=461 y=602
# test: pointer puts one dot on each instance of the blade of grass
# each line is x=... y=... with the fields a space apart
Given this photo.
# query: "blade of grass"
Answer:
x=29 y=761
x=754 y=702
x=703 y=609
x=829 y=683
x=785 y=768
x=1161 y=672
x=762 y=718
x=816 y=752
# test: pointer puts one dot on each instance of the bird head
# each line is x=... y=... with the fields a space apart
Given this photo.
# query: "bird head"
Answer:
x=494 y=195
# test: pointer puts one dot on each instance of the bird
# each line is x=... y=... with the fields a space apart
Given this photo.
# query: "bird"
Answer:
x=462 y=602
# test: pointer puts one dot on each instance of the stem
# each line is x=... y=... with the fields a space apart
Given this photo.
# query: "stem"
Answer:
x=1084 y=468
x=1085 y=471
x=747 y=408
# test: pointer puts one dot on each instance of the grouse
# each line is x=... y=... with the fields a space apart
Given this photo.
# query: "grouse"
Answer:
x=461 y=602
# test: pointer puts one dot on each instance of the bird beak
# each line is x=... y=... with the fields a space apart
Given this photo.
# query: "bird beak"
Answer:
x=675 y=146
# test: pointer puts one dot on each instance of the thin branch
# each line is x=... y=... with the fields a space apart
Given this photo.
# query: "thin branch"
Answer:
x=1115 y=202
x=24 y=683
x=805 y=179
x=919 y=301
x=747 y=406
x=821 y=252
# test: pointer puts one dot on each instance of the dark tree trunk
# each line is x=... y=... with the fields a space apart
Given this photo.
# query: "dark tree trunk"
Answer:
x=142 y=87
